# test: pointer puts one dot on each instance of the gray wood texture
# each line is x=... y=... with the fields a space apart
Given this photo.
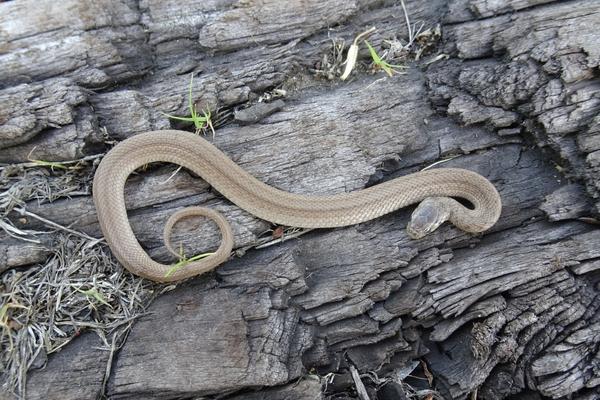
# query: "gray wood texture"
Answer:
x=513 y=313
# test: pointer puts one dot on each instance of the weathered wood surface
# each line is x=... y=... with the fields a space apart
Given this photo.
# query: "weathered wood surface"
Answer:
x=511 y=314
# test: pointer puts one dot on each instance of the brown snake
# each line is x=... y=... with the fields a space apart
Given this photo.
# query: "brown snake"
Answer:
x=433 y=188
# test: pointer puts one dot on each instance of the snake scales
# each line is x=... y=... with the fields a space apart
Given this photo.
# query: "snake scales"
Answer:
x=433 y=188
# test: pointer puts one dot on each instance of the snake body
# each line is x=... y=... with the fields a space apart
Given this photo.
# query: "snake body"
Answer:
x=435 y=186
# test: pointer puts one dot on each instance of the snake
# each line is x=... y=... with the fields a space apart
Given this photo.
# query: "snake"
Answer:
x=438 y=192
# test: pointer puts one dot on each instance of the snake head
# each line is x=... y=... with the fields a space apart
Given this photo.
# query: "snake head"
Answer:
x=428 y=216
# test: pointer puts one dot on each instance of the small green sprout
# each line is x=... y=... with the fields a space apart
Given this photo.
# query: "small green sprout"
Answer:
x=183 y=261
x=381 y=63
x=93 y=293
x=200 y=121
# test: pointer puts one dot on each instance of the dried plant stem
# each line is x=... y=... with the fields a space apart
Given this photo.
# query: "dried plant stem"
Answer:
x=22 y=211
x=33 y=164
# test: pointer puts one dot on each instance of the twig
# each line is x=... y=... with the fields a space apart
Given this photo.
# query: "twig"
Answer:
x=171 y=176
x=439 y=57
x=283 y=238
x=439 y=162
x=118 y=339
x=375 y=82
x=410 y=33
x=17 y=233
x=589 y=220
x=360 y=386
x=22 y=211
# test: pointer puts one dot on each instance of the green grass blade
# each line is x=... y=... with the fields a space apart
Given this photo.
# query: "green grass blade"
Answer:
x=199 y=121
x=185 y=261
x=388 y=70
x=187 y=119
x=374 y=55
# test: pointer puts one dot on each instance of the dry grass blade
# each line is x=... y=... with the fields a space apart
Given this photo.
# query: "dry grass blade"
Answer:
x=353 y=52
x=331 y=63
x=444 y=160
x=11 y=230
x=52 y=224
x=26 y=182
x=21 y=183
x=44 y=307
x=65 y=164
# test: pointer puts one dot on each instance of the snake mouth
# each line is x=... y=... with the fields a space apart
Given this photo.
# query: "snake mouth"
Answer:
x=418 y=230
x=414 y=233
